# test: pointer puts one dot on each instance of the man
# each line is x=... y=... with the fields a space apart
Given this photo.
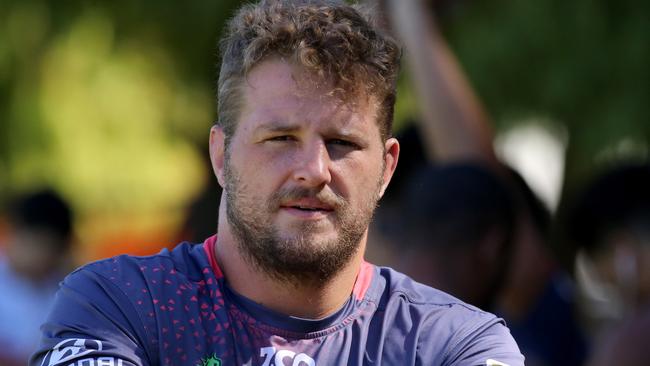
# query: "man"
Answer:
x=303 y=152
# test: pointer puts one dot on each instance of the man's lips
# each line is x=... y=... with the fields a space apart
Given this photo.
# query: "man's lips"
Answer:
x=307 y=205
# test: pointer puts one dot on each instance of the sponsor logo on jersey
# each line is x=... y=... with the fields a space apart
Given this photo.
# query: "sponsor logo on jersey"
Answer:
x=273 y=357
x=69 y=352
x=70 y=349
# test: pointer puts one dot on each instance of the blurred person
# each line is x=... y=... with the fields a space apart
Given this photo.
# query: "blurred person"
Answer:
x=35 y=257
x=536 y=294
x=626 y=344
x=609 y=222
x=202 y=212
x=539 y=297
x=303 y=152
x=458 y=223
x=383 y=228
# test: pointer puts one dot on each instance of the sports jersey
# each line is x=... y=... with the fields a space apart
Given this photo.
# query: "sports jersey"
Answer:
x=176 y=308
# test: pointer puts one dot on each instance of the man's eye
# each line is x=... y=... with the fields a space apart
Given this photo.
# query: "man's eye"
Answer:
x=342 y=143
x=281 y=138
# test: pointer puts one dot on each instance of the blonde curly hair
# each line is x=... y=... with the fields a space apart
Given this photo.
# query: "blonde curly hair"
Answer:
x=330 y=38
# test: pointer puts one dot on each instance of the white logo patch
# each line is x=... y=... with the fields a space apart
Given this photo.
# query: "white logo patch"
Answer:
x=273 y=357
x=69 y=349
x=491 y=362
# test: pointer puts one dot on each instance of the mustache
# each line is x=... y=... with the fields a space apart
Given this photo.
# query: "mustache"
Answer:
x=327 y=197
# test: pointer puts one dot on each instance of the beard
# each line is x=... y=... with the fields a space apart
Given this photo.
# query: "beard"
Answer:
x=300 y=258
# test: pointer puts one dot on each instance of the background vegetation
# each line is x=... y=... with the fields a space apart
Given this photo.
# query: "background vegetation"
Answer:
x=111 y=102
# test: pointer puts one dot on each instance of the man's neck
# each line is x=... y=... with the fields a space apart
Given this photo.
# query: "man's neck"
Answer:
x=309 y=300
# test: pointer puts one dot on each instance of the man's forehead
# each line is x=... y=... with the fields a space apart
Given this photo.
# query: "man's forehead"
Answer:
x=291 y=79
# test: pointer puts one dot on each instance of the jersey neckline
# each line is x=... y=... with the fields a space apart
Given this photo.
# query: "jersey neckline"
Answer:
x=291 y=325
x=361 y=284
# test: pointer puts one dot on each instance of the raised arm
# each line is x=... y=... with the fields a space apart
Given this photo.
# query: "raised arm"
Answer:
x=453 y=121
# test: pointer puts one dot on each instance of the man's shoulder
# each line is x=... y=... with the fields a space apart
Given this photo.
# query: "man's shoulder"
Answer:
x=399 y=285
x=448 y=328
x=186 y=261
x=402 y=297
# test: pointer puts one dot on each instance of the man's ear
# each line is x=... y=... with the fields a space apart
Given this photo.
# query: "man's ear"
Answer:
x=391 y=155
x=217 y=152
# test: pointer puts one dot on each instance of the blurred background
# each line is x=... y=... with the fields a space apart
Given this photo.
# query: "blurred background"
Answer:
x=110 y=105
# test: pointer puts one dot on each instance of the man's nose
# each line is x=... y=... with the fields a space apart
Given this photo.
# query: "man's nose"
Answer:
x=313 y=165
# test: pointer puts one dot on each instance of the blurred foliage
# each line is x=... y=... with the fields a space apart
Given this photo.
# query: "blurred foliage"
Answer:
x=108 y=101
x=582 y=63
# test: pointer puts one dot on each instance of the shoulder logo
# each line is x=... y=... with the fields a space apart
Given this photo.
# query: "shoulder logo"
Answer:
x=69 y=349
x=210 y=361
x=491 y=362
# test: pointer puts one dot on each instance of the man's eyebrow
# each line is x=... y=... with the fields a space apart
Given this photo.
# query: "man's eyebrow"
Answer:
x=345 y=134
x=275 y=126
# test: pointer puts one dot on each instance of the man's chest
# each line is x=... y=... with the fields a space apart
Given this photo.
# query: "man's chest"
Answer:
x=226 y=336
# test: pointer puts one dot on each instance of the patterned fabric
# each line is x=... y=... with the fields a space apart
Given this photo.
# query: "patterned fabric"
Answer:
x=175 y=308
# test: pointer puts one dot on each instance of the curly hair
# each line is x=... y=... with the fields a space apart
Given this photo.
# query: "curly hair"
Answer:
x=329 y=38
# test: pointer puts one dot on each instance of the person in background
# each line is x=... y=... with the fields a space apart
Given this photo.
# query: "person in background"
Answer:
x=609 y=222
x=539 y=296
x=34 y=258
x=455 y=130
x=458 y=222
x=201 y=214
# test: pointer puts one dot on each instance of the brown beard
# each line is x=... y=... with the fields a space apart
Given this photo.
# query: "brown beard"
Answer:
x=296 y=260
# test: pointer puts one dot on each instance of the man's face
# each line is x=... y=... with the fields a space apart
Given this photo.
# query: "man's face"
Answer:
x=302 y=173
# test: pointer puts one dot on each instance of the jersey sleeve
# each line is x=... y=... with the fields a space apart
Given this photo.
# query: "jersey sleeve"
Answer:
x=481 y=340
x=92 y=323
x=470 y=337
